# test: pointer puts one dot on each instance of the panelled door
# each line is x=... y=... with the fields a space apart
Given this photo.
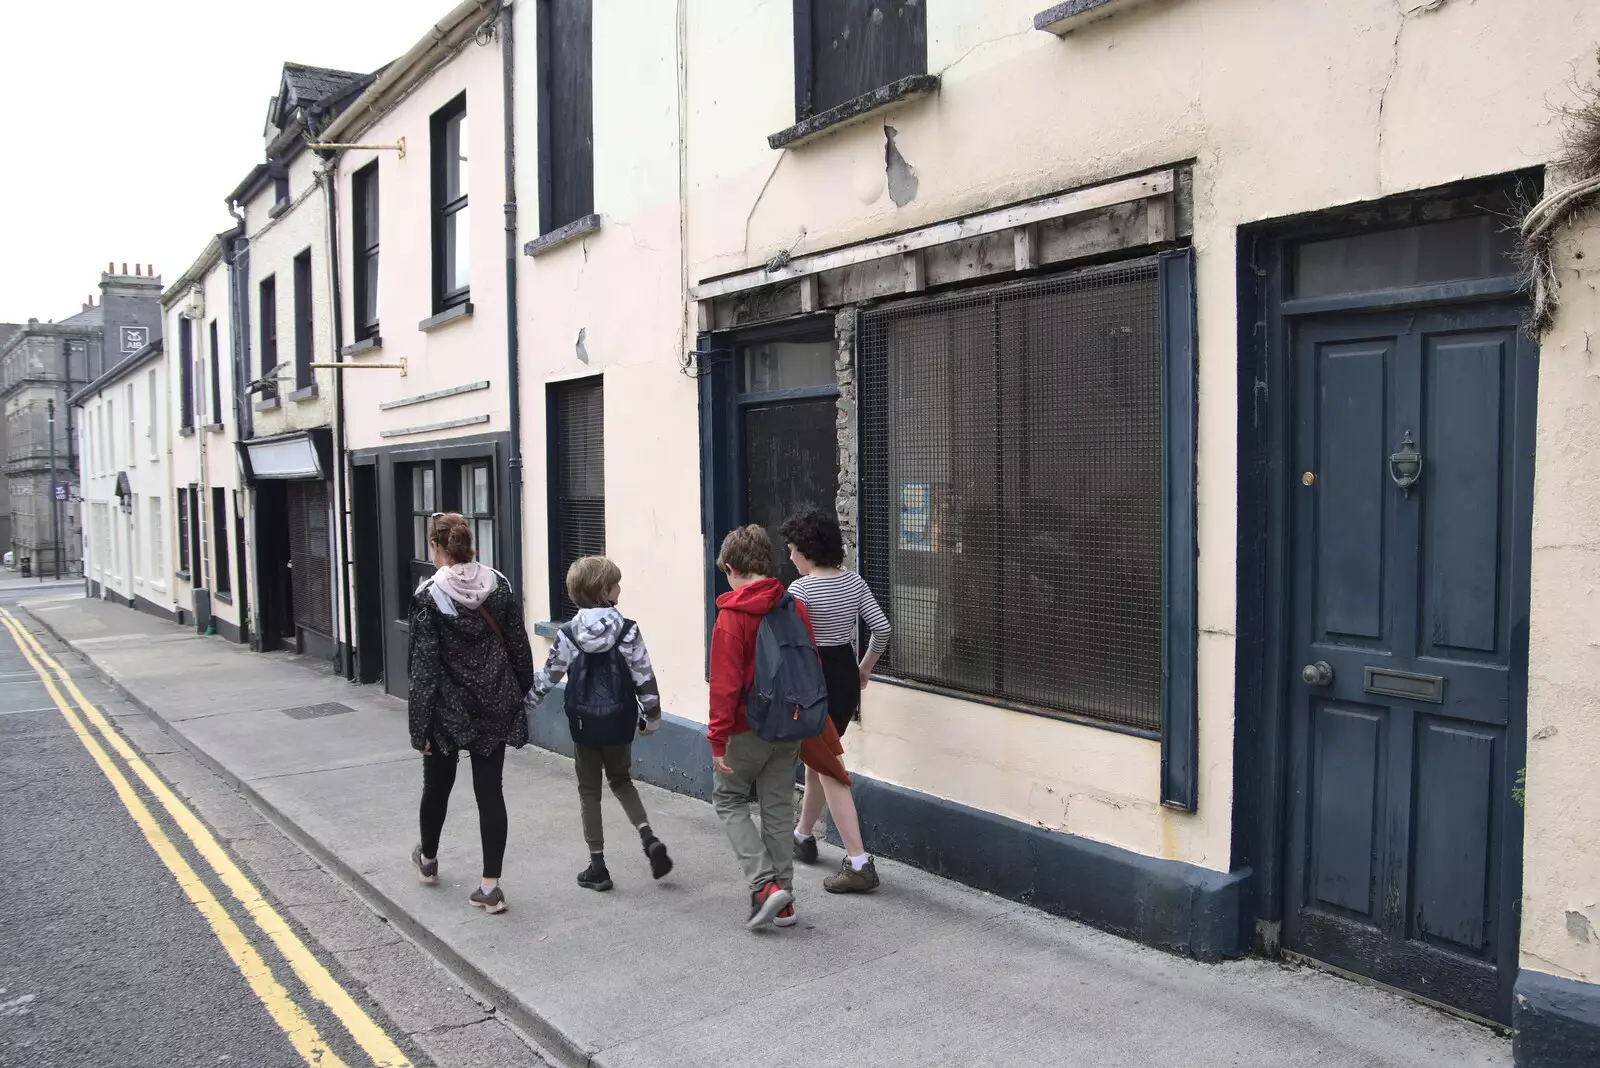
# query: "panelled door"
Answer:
x=1412 y=445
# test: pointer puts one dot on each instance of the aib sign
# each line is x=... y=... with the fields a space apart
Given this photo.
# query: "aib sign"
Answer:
x=134 y=338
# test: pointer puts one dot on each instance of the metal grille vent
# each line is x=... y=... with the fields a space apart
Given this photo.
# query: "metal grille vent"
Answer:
x=1011 y=491
x=323 y=711
x=577 y=481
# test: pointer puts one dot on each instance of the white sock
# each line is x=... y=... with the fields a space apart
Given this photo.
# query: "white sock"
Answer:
x=488 y=888
x=857 y=863
x=798 y=837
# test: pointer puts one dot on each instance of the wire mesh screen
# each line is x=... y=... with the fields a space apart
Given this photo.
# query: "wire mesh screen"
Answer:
x=1011 y=491
x=577 y=482
x=309 y=555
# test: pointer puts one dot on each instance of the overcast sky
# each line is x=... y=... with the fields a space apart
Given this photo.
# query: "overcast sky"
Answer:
x=126 y=123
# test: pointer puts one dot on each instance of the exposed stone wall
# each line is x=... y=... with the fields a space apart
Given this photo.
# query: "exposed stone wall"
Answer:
x=844 y=368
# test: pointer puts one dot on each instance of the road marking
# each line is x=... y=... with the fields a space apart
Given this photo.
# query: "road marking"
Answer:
x=301 y=1032
x=368 y=1035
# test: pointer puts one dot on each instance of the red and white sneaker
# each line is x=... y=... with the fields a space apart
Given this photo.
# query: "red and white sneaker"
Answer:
x=785 y=918
x=766 y=904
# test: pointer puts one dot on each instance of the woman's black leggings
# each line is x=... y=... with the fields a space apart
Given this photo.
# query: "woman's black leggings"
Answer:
x=438 y=776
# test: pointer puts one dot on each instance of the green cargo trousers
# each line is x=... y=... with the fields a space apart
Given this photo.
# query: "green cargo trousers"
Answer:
x=767 y=854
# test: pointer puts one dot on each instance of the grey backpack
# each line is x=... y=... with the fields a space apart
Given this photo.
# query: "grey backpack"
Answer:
x=788 y=699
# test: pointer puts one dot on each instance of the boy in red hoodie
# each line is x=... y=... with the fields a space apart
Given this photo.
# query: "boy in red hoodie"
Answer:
x=741 y=758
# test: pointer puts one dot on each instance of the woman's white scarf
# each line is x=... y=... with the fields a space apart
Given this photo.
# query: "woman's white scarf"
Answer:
x=467 y=584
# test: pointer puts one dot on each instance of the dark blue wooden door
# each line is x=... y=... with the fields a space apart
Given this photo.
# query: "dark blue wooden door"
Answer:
x=1408 y=668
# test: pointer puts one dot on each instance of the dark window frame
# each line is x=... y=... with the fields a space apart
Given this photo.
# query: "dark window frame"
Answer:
x=186 y=372
x=565 y=56
x=413 y=569
x=444 y=208
x=304 y=321
x=221 y=569
x=811 y=61
x=268 y=300
x=365 y=202
x=453 y=495
x=216 y=374
x=565 y=506
x=280 y=188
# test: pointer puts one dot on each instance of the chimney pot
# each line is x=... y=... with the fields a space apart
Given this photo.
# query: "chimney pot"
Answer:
x=124 y=266
x=138 y=269
x=111 y=268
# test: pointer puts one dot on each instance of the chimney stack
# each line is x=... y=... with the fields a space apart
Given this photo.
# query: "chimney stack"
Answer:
x=124 y=266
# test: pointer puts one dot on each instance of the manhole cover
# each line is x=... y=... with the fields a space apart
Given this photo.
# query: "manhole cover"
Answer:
x=333 y=708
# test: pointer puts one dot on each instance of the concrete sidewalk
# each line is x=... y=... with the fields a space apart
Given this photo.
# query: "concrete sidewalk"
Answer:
x=924 y=972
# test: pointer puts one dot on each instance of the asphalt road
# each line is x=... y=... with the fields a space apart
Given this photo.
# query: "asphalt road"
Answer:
x=104 y=957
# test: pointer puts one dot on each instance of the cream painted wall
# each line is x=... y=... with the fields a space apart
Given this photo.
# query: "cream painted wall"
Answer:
x=208 y=458
x=466 y=350
x=1561 y=865
x=145 y=461
x=620 y=287
x=1021 y=113
x=274 y=244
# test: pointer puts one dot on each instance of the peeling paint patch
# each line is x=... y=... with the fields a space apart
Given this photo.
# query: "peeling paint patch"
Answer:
x=902 y=175
x=1545 y=732
x=1579 y=927
x=583 y=351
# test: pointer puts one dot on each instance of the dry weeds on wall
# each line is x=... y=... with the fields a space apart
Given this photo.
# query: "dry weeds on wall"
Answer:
x=1579 y=191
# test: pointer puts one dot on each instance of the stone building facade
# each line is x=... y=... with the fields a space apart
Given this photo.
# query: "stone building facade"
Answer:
x=41 y=366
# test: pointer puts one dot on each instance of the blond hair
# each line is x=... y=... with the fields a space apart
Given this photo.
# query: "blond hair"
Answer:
x=590 y=581
x=748 y=551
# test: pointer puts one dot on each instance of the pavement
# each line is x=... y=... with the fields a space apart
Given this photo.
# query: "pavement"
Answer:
x=924 y=972
x=106 y=958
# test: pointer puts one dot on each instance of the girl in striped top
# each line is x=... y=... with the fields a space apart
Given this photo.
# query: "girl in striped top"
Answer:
x=838 y=602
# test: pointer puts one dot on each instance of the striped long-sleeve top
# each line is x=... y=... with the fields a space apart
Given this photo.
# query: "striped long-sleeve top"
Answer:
x=838 y=603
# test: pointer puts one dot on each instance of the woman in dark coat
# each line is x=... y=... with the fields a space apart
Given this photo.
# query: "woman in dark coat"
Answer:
x=470 y=668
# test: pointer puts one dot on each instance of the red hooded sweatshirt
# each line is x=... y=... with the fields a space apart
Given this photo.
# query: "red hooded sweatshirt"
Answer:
x=733 y=655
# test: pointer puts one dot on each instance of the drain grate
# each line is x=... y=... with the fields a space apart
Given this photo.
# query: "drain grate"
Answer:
x=332 y=708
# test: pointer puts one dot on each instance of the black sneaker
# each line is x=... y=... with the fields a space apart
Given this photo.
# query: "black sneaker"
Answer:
x=427 y=870
x=660 y=863
x=805 y=849
x=494 y=902
x=595 y=877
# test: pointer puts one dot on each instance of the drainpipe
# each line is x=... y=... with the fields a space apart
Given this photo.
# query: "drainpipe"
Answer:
x=513 y=378
x=341 y=474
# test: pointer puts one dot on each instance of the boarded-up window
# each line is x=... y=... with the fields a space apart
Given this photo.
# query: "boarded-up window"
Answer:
x=566 y=88
x=577 y=482
x=1011 y=488
x=848 y=48
x=186 y=371
x=269 y=333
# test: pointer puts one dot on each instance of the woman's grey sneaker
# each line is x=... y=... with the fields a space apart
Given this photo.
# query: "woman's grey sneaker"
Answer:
x=805 y=849
x=850 y=881
x=427 y=870
x=493 y=902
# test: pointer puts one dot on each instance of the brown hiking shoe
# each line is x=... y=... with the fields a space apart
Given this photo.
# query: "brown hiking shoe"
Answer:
x=850 y=881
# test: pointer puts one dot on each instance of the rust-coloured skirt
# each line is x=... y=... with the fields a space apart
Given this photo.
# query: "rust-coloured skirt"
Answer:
x=825 y=754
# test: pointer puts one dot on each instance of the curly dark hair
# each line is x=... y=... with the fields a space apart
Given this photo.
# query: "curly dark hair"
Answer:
x=816 y=535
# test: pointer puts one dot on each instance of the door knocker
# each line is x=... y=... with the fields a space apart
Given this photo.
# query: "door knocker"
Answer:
x=1405 y=466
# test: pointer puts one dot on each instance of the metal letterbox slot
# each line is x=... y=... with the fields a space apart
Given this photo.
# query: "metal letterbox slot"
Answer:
x=1429 y=688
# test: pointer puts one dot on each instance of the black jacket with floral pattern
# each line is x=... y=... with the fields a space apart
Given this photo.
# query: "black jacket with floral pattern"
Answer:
x=467 y=686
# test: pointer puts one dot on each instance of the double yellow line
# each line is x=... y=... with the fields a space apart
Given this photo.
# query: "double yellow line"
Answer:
x=299 y=1029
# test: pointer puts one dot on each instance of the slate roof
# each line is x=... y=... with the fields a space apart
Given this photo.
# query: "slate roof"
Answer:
x=306 y=87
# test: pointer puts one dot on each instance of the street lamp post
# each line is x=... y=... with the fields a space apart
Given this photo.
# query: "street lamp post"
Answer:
x=55 y=526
